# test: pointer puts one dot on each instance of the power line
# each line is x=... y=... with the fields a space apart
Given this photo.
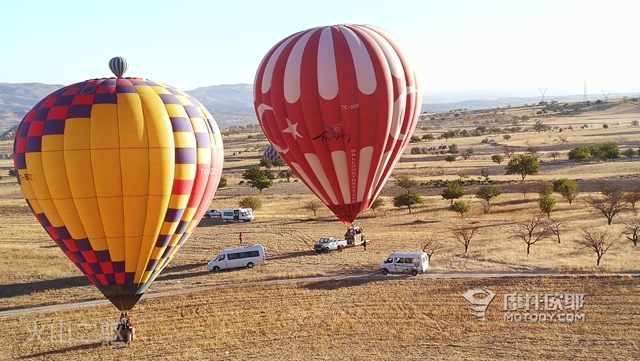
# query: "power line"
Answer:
x=606 y=96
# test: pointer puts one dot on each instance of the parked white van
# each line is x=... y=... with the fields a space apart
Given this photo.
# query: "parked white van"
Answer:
x=405 y=262
x=236 y=258
x=237 y=215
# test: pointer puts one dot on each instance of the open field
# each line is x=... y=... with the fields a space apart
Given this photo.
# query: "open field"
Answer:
x=364 y=317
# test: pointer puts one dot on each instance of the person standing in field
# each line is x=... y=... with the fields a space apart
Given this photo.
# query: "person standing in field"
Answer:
x=240 y=237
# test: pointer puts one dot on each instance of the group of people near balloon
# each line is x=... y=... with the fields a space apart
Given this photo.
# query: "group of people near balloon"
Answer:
x=337 y=103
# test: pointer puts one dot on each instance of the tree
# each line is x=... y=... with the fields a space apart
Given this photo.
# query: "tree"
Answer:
x=313 y=206
x=524 y=165
x=286 y=173
x=546 y=203
x=405 y=181
x=378 y=203
x=540 y=127
x=428 y=137
x=266 y=162
x=632 y=232
x=563 y=139
x=460 y=207
x=635 y=122
x=546 y=188
x=467 y=153
x=487 y=193
x=407 y=199
x=450 y=158
x=508 y=151
x=250 y=202
x=279 y=163
x=579 y=154
x=258 y=178
x=532 y=231
x=453 y=149
x=464 y=234
x=629 y=153
x=497 y=158
x=554 y=227
x=568 y=188
x=506 y=137
x=607 y=151
x=611 y=202
x=554 y=154
x=415 y=139
x=430 y=247
x=453 y=191
x=632 y=197
x=222 y=183
x=596 y=240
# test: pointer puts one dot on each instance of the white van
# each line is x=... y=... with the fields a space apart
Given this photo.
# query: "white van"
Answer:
x=236 y=258
x=405 y=262
x=237 y=215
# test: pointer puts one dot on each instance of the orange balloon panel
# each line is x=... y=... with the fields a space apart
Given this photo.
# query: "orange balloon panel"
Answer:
x=119 y=172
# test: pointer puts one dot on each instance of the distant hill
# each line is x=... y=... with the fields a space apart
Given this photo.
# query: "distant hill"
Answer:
x=232 y=104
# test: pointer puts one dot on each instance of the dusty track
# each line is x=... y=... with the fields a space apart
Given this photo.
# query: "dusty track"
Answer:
x=364 y=277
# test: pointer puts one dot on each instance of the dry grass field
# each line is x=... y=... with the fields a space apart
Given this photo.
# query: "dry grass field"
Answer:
x=303 y=306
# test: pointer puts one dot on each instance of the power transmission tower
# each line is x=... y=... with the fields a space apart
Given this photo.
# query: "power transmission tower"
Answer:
x=584 y=98
x=606 y=96
x=542 y=91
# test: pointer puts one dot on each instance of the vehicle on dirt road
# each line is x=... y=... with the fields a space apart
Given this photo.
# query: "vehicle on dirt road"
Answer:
x=329 y=243
x=405 y=262
x=237 y=258
x=213 y=213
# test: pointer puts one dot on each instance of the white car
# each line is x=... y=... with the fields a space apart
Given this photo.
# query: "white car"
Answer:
x=212 y=213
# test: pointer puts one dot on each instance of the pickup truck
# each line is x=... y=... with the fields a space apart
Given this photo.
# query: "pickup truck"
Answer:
x=329 y=243
x=212 y=213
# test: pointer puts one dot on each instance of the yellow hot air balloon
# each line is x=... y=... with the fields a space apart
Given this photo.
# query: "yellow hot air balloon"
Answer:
x=119 y=171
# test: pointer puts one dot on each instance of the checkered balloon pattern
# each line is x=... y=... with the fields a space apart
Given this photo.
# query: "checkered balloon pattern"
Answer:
x=119 y=171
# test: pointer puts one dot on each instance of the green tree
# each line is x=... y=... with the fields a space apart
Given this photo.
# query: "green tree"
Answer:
x=222 y=183
x=497 y=158
x=546 y=188
x=453 y=149
x=407 y=199
x=568 y=188
x=266 y=162
x=378 y=203
x=467 y=153
x=523 y=165
x=629 y=153
x=258 y=178
x=279 y=163
x=415 y=139
x=460 y=207
x=547 y=202
x=250 y=202
x=453 y=191
x=428 y=137
x=607 y=151
x=579 y=154
x=450 y=158
x=506 y=137
x=487 y=193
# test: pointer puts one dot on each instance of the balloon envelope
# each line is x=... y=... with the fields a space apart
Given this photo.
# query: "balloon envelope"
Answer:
x=119 y=172
x=340 y=104
x=271 y=153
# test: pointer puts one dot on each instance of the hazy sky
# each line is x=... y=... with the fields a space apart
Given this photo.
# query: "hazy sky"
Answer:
x=458 y=44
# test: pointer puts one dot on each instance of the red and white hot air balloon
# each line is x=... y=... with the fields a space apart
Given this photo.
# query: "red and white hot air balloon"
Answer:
x=339 y=104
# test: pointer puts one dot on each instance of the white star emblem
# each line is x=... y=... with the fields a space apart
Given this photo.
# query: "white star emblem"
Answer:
x=293 y=129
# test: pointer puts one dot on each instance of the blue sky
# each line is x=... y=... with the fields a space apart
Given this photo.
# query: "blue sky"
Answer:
x=458 y=44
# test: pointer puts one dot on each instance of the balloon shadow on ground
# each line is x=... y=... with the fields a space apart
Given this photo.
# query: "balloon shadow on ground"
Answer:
x=53 y=353
x=21 y=289
x=330 y=285
x=292 y=255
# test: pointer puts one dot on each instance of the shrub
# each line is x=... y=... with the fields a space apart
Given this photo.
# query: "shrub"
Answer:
x=250 y=202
